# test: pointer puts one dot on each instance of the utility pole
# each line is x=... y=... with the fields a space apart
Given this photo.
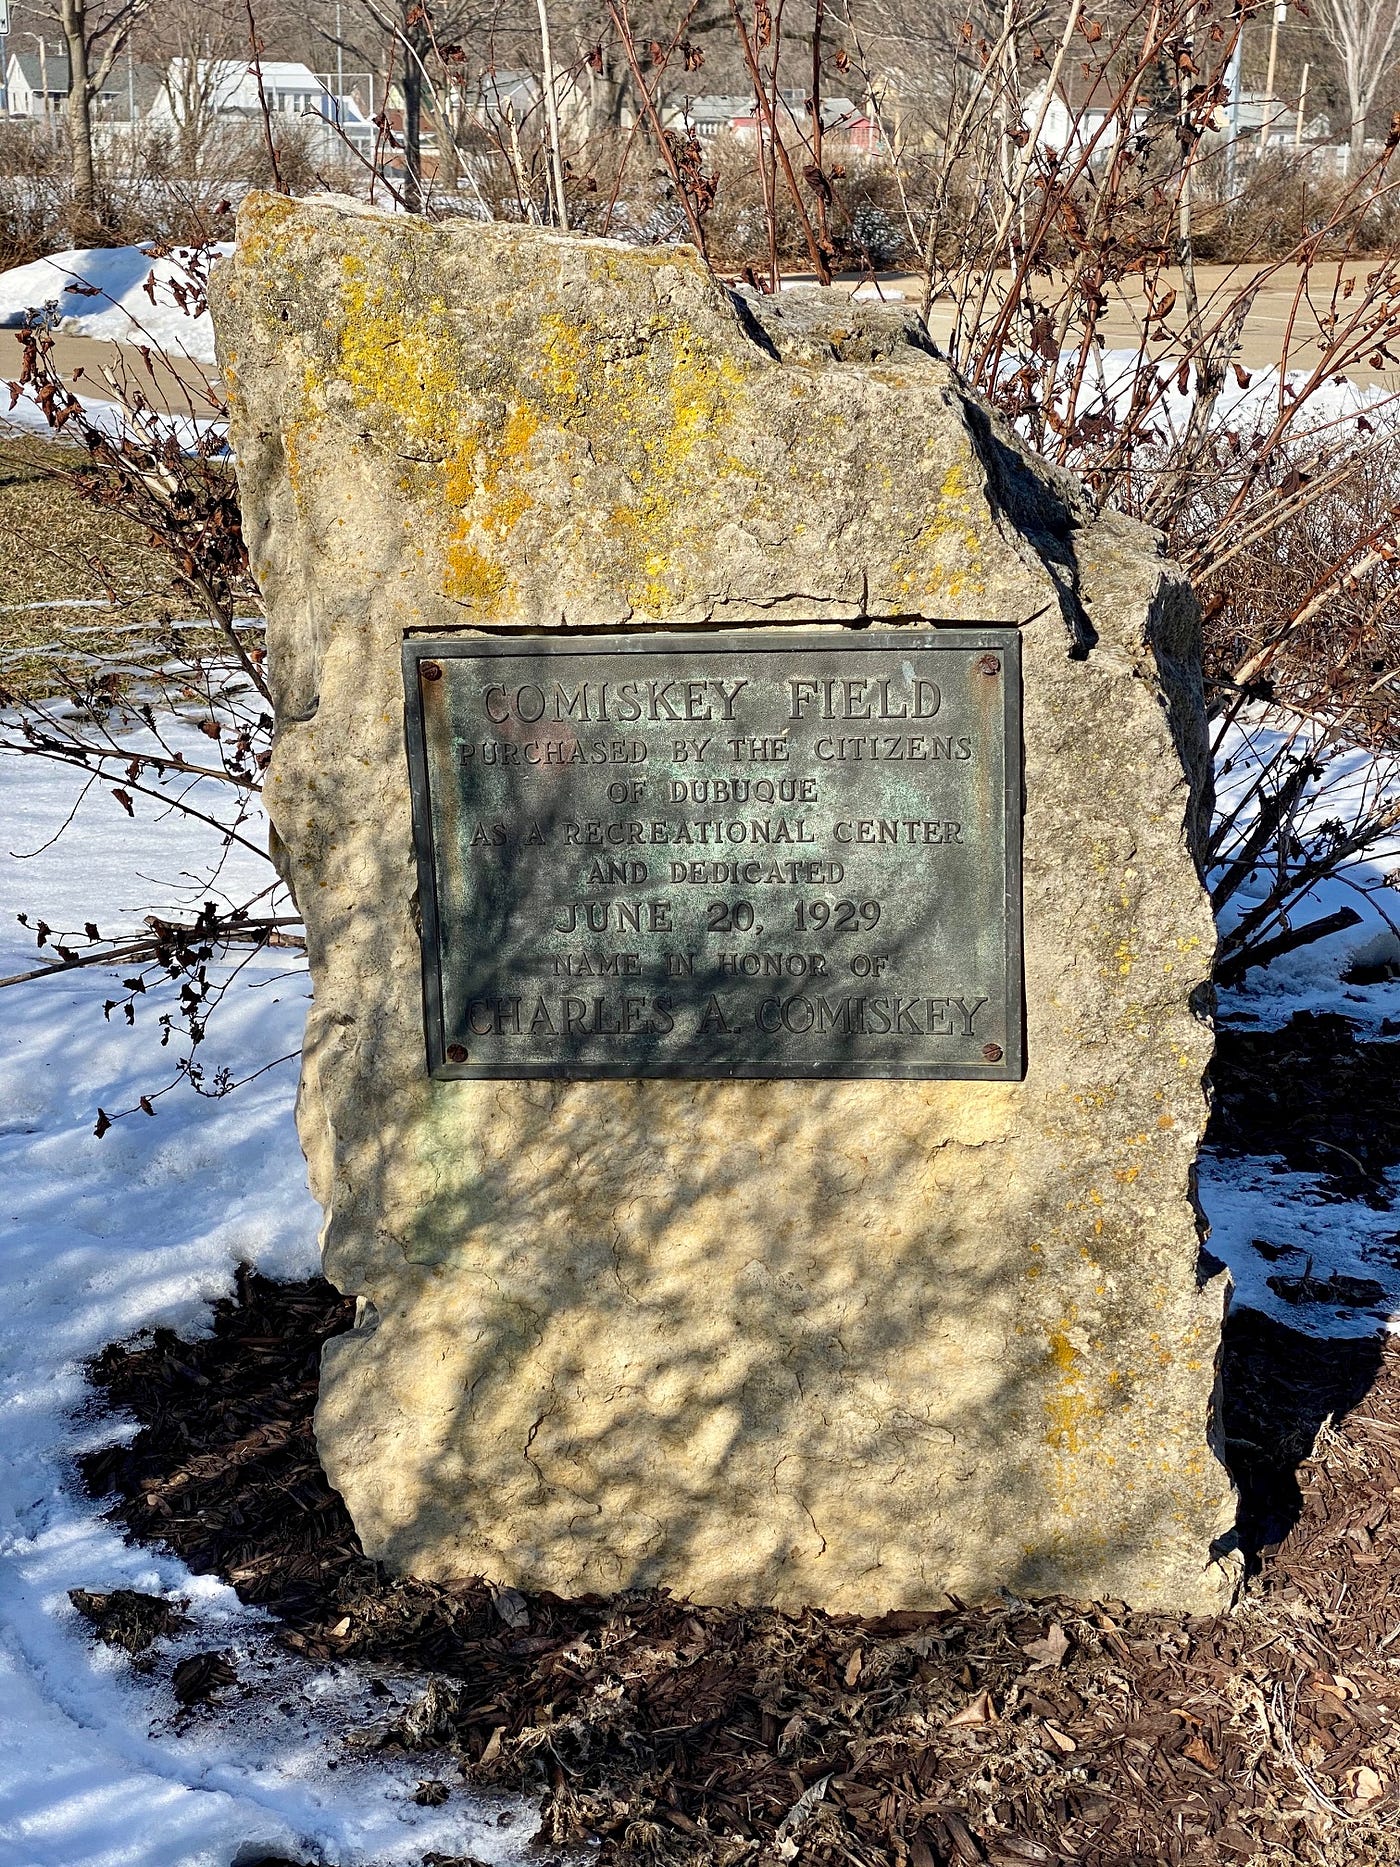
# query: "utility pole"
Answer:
x=339 y=66
x=1266 y=123
x=1302 y=104
x=4 y=56
x=1232 y=89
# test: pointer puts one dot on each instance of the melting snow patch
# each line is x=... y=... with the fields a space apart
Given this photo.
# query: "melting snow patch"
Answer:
x=1322 y=1265
x=99 y=1766
x=1354 y=972
x=102 y=292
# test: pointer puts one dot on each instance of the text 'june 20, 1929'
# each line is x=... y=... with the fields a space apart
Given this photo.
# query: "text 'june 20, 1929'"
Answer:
x=781 y=852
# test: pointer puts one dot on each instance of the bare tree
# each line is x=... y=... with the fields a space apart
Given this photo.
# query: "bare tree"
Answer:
x=414 y=36
x=95 y=40
x=1363 y=35
x=551 y=113
x=408 y=28
x=199 y=45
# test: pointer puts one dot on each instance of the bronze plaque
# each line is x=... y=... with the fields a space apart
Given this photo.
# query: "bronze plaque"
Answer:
x=777 y=853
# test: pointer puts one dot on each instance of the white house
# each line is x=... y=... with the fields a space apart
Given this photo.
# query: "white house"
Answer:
x=497 y=96
x=227 y=90
x=1248 y=115
x=36 y=83
x=1074 y=123
x=709 y=116
x=1076 y=118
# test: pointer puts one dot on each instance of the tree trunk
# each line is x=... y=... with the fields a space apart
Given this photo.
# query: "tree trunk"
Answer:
x=551 y=118
x=1356 y=153
x=73 y=19
x=607 y=93
x=413 y=137
x=449 y=162
x=415 y=48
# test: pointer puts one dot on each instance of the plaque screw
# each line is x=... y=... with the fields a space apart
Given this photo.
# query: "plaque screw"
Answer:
x=989 y=664
x=992 y=1052
x=457 y=1053
x=430 y=671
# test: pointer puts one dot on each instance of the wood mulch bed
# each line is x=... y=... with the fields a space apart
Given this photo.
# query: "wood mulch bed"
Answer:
x=1015 y=1734
x=1011 y=1733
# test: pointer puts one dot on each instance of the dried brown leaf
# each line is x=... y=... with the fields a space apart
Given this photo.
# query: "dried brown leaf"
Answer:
x=979 y=1710
x=1051 y=1650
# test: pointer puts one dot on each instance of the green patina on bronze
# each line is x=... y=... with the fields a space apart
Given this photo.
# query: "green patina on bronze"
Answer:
x=699 y=854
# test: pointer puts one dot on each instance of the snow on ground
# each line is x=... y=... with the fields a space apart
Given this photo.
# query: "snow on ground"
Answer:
x=1352 y=784
x=102 y=292
x=98 y=1239
x=1335 y=1263
x=1245 y=407
x=1268 y=1221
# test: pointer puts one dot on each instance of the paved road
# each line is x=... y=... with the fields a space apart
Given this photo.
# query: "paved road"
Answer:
x=177 y=385
x=1276 y=305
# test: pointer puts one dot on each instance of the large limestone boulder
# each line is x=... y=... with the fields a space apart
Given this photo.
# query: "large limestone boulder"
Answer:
x=852 y=1343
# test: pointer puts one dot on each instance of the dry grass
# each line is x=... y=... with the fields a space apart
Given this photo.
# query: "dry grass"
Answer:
x=75 y=581
x=1344 y=661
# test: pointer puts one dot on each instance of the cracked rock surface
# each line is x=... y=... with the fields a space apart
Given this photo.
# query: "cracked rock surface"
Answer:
x=843 y=1343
